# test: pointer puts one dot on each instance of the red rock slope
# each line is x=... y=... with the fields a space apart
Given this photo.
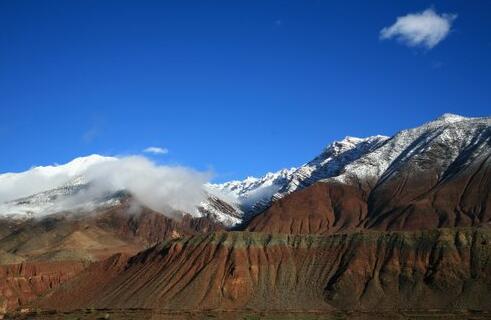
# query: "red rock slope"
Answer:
x=438 y=269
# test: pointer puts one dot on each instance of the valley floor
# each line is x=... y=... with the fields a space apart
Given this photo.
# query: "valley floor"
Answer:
x=134 y=314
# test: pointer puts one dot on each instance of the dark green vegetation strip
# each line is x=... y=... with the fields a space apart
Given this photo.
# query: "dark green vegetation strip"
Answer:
x=239 y=239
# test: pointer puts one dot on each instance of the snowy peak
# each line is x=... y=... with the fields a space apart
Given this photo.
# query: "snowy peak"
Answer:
x=331 y=162
x=63 y=199
x=242 y=188
x=52 y=189
x=73 y=168
x=441 y=140
x=44 y=178
x=252 y=193
x=349 y=143
x=365 y=160
x=450 y=117
x=437 y=144
x=170 y=190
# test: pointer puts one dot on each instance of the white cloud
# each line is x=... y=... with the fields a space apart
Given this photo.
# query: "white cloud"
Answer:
x=166 y=189
x=161 y=188
x=156 y=150
x=425 y=29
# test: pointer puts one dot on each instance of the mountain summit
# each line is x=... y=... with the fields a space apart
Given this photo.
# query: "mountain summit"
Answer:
x=436 y=150
x=400 y=222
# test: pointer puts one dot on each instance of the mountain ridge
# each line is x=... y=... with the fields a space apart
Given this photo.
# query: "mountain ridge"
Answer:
x=349 y=161
x=415 y=206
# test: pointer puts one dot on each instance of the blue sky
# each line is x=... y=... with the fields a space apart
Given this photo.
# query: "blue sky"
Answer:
x=239 y=87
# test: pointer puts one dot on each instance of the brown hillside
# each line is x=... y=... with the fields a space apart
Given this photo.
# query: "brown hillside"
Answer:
x=404 y=201
x=93 y=236
x=21 y=283
x=438 y=269
x=322 y=208
x=37 y=255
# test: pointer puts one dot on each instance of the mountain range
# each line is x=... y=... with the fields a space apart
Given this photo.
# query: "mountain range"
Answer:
x=376 y=223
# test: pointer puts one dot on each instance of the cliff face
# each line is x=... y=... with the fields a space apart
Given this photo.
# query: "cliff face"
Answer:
x=21 y=283
x=436 y=269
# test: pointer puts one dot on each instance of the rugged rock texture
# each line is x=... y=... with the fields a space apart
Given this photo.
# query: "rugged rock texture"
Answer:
x=433 y=176
x=420 y=157
x=21 y=283
x=59 y=246
x=438 y=269
x=86 y=284
x=152 y=227
x=93 y=236
x=376 y=224
x=415 y=197
x=428 y=152
x=322 y=208
x=413 y=200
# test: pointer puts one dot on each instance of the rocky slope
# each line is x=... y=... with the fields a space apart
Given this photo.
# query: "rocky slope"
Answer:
x=437 y=175
x=38 y=254
x=93 y=236
x=438 y=269
x=437 y=150
x=434 y=150
x=251 y=195
x=323 y=208
x=21 y=283
x=370 y=224
x=93 y=183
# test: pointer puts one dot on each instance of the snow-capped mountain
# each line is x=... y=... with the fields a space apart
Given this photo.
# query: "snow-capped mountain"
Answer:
x=366 y=160
x=360 y=161
x=441 y=140
x=66 y=198
x=51 y=189
x=95 y=182
x=251 y=194
x=331 y=162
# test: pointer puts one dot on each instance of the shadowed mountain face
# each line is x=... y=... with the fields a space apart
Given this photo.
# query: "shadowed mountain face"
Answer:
x=363 y=271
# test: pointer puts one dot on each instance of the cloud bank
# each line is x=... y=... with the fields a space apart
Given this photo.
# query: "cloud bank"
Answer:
x=156 y=150
x=425 y=29
x=166 y=189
